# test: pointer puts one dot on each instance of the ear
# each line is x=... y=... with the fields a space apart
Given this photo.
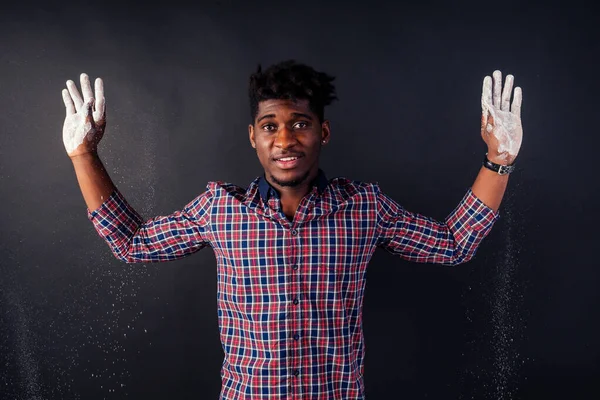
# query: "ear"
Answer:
x=251 y=135
x=325 y=132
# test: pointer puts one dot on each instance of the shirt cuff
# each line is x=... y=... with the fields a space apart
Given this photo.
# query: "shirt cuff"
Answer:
x=115 y=215
x=473 y=213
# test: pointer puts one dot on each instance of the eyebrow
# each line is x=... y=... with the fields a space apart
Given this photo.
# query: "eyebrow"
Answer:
x=295 y=115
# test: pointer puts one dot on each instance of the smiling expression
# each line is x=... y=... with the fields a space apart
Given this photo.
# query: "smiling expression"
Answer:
x=288 y=136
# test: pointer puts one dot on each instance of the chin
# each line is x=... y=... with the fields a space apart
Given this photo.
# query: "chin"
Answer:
x=290 y=178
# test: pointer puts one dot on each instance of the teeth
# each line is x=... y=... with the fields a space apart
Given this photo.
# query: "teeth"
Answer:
x=288 y=158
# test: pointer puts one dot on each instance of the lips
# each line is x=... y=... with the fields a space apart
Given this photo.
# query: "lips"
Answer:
x=288 y=162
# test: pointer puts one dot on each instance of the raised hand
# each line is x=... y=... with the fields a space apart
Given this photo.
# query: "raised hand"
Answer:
x=501 y=126
x=86 y=118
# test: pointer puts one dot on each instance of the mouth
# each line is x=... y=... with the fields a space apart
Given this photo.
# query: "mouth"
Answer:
x=288 y=162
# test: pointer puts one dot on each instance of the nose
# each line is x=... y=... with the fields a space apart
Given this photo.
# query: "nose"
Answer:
x=285 y=138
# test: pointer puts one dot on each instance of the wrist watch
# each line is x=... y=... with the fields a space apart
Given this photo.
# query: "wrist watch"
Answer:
x=500 y=169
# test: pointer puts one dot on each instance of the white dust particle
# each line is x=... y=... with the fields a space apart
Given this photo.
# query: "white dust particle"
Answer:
x=493 y=357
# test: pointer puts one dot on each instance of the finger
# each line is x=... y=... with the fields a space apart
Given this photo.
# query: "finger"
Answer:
x=506 y=92
x=517 y=100
x=87 y=108
x=77 y=100
x=99 y=112
x=486 y=98
x=497 y=87
x=86 y=88
x=68 y=102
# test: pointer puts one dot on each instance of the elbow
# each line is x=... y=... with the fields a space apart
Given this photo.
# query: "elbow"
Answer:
x=123 y=254
x=456 y=255
x=458 y=261
x=123 y=257
x=461 y=256
x=459 y=252
x=122 y=248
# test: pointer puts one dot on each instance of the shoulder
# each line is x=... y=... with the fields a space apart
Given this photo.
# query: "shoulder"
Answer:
x=216 y=193
x=345 y=189
x=222 y=189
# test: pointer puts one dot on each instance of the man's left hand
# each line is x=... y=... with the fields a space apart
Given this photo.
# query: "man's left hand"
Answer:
x=501 y=127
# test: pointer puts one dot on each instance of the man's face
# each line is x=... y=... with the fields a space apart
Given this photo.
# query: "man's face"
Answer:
x=284 y=129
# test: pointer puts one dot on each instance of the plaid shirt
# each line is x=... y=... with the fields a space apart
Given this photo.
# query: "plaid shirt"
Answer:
x=290 y=293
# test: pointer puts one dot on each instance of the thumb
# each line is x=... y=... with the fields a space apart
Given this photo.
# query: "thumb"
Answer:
x=487 y=126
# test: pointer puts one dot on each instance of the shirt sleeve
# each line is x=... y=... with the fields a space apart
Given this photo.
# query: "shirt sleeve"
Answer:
x=422 y=239
x=162 y=238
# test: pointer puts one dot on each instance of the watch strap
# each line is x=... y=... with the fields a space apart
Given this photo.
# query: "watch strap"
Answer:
x=498 y=168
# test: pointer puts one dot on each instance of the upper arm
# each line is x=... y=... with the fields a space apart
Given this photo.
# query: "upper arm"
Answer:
x=161 y=238
x=412 y=236
x=423 y=239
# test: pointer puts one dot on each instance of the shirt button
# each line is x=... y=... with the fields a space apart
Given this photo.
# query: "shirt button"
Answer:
x=296 y=336
x=294 y=232
x=296 y=372
x=295 y=266
x=296 y=301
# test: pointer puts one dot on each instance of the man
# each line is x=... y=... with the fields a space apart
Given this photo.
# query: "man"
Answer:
x=292 y=248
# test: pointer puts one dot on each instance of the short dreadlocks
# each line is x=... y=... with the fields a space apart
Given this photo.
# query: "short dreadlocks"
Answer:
x=294 y=81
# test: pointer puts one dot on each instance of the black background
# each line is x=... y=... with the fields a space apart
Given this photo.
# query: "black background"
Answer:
x=520 y=321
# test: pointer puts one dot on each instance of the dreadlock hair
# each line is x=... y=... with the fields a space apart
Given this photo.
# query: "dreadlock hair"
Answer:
x=291 y=80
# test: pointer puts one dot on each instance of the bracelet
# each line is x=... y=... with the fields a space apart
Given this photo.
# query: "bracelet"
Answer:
x=500 y=169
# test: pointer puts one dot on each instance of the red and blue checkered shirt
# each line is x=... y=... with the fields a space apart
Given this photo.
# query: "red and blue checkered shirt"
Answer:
x=290 y=293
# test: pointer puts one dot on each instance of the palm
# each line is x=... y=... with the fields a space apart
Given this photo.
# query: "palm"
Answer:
x=501 y=127
x=85 y=119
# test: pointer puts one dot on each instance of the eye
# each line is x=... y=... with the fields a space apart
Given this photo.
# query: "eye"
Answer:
x=269 y=127
x=301 y=125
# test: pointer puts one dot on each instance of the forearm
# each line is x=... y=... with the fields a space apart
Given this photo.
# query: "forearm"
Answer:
x=489 y=187
x=94 y=182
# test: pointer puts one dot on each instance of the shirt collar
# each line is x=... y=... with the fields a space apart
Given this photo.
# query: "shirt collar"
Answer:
x=265 y=188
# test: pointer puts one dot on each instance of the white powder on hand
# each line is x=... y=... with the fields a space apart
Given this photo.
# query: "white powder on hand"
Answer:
x=85 y=117
x=506 y=124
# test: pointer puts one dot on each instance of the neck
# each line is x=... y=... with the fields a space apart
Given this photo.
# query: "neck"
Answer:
x=290 y=196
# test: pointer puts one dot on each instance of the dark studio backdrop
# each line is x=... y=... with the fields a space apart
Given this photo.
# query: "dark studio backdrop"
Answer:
x=520 y=321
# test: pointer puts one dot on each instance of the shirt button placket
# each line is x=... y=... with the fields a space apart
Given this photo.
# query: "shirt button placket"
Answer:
x=295 y=370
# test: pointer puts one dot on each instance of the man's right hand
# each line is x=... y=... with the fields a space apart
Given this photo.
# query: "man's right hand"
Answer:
x=86 y=118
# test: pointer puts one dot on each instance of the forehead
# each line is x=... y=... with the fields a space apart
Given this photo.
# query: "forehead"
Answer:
x=283 y=107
